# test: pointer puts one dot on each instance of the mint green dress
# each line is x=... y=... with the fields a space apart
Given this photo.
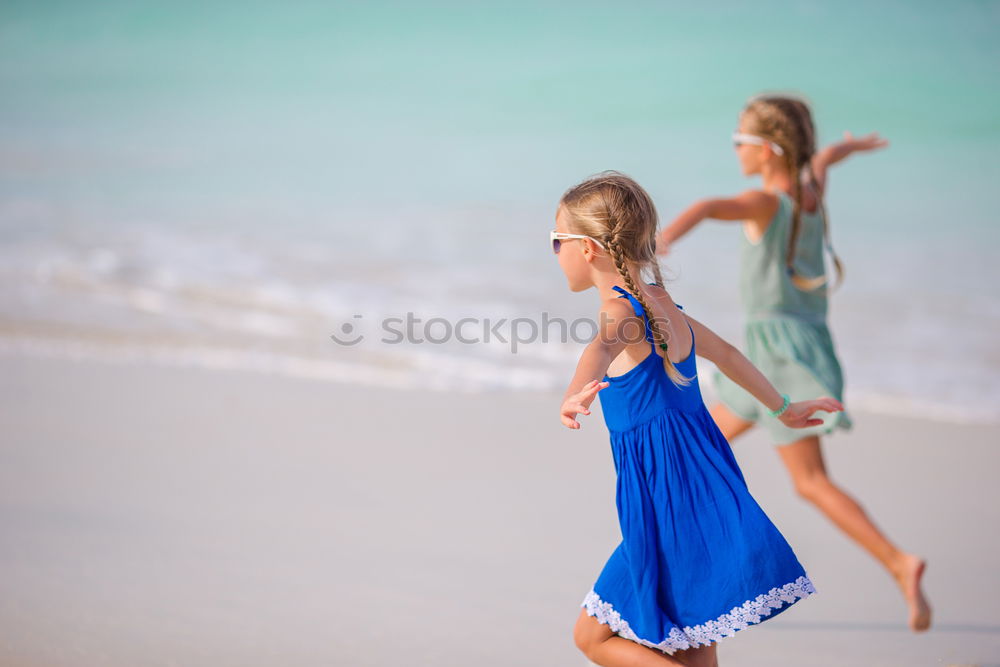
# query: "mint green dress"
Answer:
x=786 y=334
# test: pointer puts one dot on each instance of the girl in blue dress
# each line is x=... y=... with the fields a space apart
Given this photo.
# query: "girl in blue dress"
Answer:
x=699 y=560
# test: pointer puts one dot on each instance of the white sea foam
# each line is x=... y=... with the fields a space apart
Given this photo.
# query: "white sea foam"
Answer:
x=210 y=300
x=421 y=369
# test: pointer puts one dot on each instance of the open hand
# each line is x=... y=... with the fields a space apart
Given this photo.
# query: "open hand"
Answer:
x=798 y=414
x=579 y=403
x=869 y=142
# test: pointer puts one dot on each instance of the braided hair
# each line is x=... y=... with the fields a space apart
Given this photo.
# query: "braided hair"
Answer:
x=788 y=122
x=614 y=209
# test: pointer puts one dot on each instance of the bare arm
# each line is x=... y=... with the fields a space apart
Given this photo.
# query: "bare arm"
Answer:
x=615 y=314
x=731 y=361
x=838 y=151
x=753 y=205
x=738 y=368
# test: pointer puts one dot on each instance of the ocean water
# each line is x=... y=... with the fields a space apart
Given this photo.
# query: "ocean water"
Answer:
x=228 y=185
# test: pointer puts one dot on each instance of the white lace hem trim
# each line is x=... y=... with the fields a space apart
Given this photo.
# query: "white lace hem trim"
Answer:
x=679 y=639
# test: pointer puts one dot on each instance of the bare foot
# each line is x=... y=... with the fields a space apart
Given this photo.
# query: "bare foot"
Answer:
x=909 y=578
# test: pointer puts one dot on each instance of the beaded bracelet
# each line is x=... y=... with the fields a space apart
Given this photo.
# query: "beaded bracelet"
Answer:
x=780 y=411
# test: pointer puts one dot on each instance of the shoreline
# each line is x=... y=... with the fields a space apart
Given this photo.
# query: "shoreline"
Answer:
x=292 y=365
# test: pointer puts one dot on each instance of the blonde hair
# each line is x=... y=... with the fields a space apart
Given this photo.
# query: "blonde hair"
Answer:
x=615 y=210
x=788 y=122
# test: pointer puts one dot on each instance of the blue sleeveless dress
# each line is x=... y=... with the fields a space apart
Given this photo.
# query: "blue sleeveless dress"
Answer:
x=699 y=559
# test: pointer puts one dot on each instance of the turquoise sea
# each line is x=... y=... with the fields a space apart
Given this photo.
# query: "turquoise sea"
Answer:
x=227 y=184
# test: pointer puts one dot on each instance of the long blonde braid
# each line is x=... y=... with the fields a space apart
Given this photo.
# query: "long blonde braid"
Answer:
x=614 y=209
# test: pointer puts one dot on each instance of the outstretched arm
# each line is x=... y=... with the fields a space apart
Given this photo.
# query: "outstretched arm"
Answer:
x=836 y=152
x=738 y=368
x=750 y=205
x=611 y=339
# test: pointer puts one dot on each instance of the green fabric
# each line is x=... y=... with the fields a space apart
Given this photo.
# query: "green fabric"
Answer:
x=786 y=335
x=765 y=287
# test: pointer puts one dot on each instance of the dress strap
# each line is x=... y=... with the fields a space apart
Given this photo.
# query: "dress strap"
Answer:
x=639 y=312
x=636 y=306
x=649 y=331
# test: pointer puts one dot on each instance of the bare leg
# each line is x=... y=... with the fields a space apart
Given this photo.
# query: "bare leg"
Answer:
x=804 y=461
x=731 y=425
x=605 y=648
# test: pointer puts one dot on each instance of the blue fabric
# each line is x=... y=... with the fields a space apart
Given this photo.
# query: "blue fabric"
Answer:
x=698 y=559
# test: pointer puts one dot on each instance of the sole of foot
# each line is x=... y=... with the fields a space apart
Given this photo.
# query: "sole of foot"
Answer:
x=920 y=609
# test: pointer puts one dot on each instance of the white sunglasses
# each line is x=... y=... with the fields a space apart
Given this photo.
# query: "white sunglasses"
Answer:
x=741 y=138
x=558 y=237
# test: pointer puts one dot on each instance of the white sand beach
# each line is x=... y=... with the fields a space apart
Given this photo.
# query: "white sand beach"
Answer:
x=170 y=516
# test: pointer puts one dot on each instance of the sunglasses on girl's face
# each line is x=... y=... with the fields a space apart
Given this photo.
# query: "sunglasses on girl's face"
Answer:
x=740 y=138
x=558 y=237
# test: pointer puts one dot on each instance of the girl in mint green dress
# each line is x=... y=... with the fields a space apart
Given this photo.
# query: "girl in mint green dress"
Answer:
x=784 y=288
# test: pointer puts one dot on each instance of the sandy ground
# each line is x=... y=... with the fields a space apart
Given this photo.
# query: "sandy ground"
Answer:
x=171 y=516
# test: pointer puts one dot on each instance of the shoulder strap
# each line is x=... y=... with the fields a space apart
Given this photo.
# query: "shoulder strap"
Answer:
x=636 y=306
x=639 y=312
x=690 y=328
